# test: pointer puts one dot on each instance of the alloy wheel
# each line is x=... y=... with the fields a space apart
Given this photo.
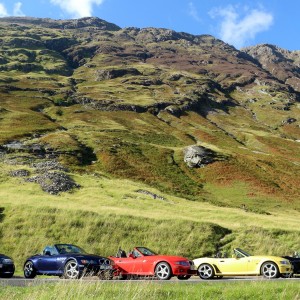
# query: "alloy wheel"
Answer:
x=71 y=270
x=205 y=271
x=163 y=271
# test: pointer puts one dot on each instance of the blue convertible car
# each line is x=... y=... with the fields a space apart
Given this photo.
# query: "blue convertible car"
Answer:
x=68 y=261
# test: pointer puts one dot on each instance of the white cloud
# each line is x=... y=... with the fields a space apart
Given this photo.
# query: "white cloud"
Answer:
x=193 y=12
x=238 y=30
x=77 y=8
x=17 y=9
x=3 y=11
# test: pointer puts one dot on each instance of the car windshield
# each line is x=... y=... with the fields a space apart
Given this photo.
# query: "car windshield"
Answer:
x=67 y=248
x=239 y=252
x=146 y=251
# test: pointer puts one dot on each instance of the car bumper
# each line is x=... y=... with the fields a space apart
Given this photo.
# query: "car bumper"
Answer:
x=285 y=269
x=6 y=270
x=181 y=270
x=95 y=269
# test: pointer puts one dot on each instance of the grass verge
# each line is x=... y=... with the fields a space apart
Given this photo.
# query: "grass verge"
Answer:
x=258 y=290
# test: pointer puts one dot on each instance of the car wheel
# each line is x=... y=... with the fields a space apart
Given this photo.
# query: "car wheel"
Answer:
x=71 y=270
x=184 y=277
x=206 y=271
x=269 y=270
x=29 y=270
x=122 y=277
x=163 y=271
x=105 y=275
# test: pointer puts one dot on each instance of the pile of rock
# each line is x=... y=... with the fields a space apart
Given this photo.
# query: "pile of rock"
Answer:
x=51 y=175
x=19 y=173
x=54 y=182
x=48 y=165
x=153 y=195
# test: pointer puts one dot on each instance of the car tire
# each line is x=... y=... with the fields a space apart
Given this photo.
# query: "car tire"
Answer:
x=184 y=277
x=106 y=275
x=122 y=277
x=163 y=271
x=269 y=270
x=71 y=270
x=206 y=271
x=29 y=270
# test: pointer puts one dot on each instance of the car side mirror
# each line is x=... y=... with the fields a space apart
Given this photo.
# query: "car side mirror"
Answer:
x=47 y=252
x=131 y=255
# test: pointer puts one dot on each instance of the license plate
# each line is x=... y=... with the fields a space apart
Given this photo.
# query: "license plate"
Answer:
x=105 y=267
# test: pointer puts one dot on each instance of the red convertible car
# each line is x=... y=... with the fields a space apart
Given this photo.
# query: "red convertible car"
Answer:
x=142 y=261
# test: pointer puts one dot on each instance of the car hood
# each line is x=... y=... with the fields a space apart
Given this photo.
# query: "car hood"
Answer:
x=86 y=256
x=291 y=258
x=171 y=257
x=255 y=257
x=269 y=257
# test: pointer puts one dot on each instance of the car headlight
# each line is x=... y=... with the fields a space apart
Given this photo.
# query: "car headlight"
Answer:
x=105 y=262
x=88 y=261
x=284 y=262
x=182 y=263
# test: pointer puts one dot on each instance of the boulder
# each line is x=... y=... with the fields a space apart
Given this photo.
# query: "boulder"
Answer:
x=197 y=156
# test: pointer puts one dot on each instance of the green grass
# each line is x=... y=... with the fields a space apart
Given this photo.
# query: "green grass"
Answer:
x=260 y=290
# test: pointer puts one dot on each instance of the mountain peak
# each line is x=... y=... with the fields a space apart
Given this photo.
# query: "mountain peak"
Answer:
x=62 y=24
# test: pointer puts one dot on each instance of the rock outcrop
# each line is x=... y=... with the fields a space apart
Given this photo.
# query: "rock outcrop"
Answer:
x=197 y=156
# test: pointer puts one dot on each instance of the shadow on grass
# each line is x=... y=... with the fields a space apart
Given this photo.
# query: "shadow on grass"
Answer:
x=1 y=214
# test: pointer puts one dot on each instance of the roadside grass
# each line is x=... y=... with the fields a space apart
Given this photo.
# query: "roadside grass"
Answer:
x=249 y=290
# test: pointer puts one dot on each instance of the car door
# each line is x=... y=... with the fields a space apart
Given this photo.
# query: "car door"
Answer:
x=253 y=264
x=141 y=265
x=47 y=263
x=126 y=264
x=235 y=265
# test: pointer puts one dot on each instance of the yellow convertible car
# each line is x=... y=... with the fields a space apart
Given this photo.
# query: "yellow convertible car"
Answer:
x=243 y=263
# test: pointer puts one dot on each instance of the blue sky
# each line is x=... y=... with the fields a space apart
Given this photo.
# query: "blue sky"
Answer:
x=238 y=22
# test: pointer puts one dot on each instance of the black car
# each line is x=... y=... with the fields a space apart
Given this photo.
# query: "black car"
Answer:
x=68 y=261
x=295 y=261
x=7 y=266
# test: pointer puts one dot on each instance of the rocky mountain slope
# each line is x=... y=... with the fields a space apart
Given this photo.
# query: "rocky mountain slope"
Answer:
x=86 y=96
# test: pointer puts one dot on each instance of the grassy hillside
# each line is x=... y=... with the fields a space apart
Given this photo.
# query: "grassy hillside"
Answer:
x=94 y=124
